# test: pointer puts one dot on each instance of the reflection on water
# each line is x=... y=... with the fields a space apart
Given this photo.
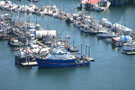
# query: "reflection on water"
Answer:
x=59 y=71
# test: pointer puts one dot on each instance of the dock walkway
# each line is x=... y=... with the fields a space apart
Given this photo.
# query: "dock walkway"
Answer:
x=29 y=64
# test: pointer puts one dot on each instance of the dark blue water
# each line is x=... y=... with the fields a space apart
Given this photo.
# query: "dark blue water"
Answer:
x=111 y=70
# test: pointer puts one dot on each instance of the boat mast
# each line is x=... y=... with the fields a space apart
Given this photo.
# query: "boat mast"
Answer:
x=73 y=43
x=86 y=50
x=89 y=51
x=81 y=50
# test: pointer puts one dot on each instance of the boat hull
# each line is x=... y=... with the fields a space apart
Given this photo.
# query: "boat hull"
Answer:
x=59 y=63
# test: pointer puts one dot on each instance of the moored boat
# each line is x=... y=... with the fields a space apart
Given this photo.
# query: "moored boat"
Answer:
x=129 y=46
x=85 y=29
x=15 y=42
x=105 y=22
x=96 y=5
x=60 y=58
x=119 y=41
x=106 y=35
x=73 y=49
x=34 y=0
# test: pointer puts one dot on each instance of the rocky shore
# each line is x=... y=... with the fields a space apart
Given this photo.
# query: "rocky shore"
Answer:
x=121 y=2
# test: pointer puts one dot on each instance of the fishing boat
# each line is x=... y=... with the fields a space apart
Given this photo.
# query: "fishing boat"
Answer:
x=27 y=54
x=96 y=5
x=34 y=0
x=15 y=42
x=129 y=46
x=106 y=35
x=84 y=29
x=60 y=58
x=55 y=14
x=93 y=31
x=77 y=23
x=119 y=41
x=69 y=19
x=121 y=28
x=101 y=6
x=105 y=22
x=73 y=49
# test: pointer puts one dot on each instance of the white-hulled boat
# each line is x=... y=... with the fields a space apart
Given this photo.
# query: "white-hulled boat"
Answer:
x=118 y=27
x=129 y=46
x=105 y=22
x=106 y=35
x=84 y=29
x=76 y=23
x=34 y=0
x=96 y=5
x=15 y=42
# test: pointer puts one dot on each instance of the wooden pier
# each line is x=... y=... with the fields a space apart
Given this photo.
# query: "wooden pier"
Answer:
x=41 y=44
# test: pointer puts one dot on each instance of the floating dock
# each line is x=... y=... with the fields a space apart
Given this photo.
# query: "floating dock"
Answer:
x=92 y=59
x=129 y=53
x=29 y=64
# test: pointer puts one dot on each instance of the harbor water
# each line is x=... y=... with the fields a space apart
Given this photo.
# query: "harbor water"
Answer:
x=111 y=70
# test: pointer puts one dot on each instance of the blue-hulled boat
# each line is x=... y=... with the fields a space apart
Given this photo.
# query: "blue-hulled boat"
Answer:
x=60 y=58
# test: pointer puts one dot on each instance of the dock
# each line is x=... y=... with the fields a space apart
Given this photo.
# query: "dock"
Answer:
x=29 y=64
x=129 y=53
x=86 y=58
x=91 y=59
x=41 y=44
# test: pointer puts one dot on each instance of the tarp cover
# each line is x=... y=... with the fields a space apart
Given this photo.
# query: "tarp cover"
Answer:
x=124 y=38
